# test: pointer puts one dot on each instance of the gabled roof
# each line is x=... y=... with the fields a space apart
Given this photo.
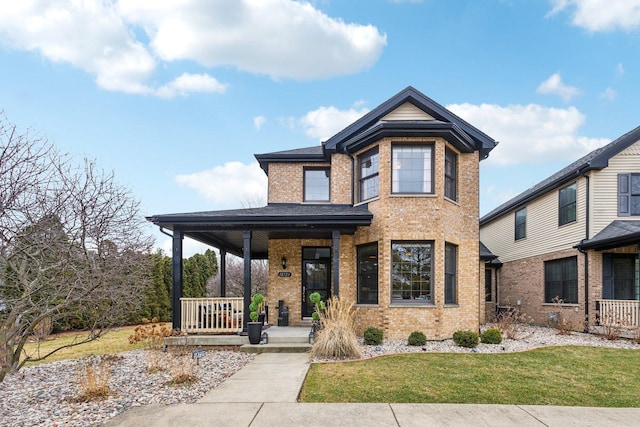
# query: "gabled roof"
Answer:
x=349 y=138
x=618 y=233
x=595 y=160
x=370 y=128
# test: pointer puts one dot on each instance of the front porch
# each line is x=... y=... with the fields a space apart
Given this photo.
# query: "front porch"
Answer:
x=618 y=313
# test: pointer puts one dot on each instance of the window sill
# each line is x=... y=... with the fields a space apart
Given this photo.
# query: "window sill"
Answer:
x=412 y=305
x=425 y=195
x=455 y=202
x=364 y=202
x=553 y=304
x=451 y=305
x=367 y=305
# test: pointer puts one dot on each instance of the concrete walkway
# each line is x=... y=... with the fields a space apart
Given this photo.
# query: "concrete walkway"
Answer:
x=265 y=391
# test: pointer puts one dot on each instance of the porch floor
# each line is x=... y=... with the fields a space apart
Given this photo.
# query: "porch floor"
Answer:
x=282 y=339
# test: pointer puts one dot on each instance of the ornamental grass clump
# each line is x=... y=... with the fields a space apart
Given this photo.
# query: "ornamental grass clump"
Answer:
x=336 y=337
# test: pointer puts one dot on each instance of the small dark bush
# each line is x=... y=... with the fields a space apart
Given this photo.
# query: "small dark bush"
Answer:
x=491 y=336
x=468 y=339
x=417 y=338
x=373 y=336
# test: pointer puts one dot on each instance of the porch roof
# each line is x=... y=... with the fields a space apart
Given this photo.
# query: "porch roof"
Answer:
x=224 y=229
x=618 y=233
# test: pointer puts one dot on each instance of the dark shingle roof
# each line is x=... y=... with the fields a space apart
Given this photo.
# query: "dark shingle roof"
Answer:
x=597 y=159
x=306 y=154
x=618 y=233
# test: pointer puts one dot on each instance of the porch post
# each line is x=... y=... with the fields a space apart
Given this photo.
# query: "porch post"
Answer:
x=223 y=273
x=246 y=250
x=335 y=234
x=176 y=277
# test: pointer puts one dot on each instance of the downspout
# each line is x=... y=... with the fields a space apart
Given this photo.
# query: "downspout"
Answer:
x=586 y=256
x=164 y=232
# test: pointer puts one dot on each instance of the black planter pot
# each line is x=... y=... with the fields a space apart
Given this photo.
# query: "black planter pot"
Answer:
x=254 y=329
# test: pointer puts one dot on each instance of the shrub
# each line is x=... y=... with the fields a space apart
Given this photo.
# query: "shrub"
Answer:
x=491 y=336
x=373 y=336
x=318 y=305
x=417 y=338
x=94 y=380
x=468 y=339
x=336 y=337
x=151 y=334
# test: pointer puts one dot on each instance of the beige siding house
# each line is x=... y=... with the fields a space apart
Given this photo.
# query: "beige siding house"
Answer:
x=569 y=245
x=383 y=214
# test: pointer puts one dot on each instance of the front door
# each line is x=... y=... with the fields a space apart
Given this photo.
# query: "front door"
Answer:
x=316 y=274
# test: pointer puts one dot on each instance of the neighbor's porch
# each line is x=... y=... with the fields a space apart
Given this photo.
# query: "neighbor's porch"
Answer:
x=618 y=313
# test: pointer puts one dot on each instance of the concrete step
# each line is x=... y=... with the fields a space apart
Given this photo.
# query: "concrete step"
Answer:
x=276 y=348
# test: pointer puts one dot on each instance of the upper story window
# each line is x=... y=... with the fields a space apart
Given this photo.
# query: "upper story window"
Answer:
x=368 y=166
x=628 y=194
x=521 y=224
x=316 y=185
x=412 y=169
x=567 y=204
x=450 y=175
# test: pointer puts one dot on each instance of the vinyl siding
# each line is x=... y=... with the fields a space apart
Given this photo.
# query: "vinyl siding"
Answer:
x=407 y=111
x=543 y=233
x=605 y=187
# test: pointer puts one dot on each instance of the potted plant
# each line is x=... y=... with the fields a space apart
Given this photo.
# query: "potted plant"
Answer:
x=318 y=306
x=254 y=327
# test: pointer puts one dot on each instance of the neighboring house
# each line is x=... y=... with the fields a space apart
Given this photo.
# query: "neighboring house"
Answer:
x=383 y=214
x=573 y=237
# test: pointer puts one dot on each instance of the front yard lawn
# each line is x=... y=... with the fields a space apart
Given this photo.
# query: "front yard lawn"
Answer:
x=568 y=376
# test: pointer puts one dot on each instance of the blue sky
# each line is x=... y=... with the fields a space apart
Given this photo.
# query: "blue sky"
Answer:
x=176 y=97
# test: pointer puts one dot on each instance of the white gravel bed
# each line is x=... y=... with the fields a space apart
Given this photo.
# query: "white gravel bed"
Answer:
x=45 y=395
x=527 y=338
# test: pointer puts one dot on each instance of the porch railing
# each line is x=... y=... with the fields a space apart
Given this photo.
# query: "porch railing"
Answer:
x=212 y=315
x=624 y=313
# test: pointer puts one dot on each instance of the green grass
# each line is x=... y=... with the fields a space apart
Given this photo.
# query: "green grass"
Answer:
x=114 y=341
x=569 y=376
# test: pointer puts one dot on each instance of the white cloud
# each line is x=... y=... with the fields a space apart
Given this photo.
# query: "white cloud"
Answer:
x=530 y=133
x=122 y=42
x=555 y=85
x=278 y=38
x=191 y=83
x=258 y=121
x=231 y=185
x=609 y=94
x=325 y=122
x=620 y=69
x=601 y=15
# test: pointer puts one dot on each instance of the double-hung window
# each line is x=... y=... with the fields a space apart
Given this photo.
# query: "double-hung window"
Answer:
x=411 y=272
x=368 y=165
x=412 y=169
x=567 y=204
x=316 y=185
x=561 y=280
x=521 y=224
x=450 y=276
x=450 y=175
x=629 y=194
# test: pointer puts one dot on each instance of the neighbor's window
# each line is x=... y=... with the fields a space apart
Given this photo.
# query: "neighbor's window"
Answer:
x=567 y=204
x=411 y=272
x=368 y=274
x=450 y=276
x=316 y=185
x=561 y=280
x=412 y=169
x=450 y=175
x=368 y=165
x=628 y=194
x=521 y=224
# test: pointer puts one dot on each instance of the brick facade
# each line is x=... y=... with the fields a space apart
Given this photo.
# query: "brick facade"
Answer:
x=395 y=218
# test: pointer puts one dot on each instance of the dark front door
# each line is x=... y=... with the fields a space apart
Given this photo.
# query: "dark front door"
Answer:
x=316 y=274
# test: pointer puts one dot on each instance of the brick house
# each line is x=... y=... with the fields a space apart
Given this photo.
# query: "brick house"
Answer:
x=383 y=214
x=572 y=237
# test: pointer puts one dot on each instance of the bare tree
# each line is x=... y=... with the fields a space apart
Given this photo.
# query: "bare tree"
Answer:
x=235 y=277
x=72 y=246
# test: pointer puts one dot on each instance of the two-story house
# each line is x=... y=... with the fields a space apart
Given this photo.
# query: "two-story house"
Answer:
x=383 y=214
x=573 y=238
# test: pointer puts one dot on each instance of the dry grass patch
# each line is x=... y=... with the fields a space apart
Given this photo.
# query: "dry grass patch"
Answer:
x=336 y=337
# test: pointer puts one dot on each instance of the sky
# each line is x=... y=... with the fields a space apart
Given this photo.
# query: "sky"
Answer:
x=176 y=97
